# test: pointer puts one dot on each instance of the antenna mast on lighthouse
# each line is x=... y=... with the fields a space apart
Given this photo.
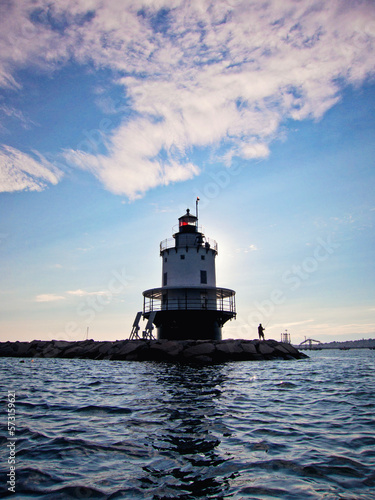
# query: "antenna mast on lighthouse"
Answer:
x=196 y=209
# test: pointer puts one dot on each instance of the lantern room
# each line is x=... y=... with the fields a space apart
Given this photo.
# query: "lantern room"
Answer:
x=188 y=223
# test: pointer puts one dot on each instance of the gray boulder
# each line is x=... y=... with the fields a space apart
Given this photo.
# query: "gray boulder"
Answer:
x=21 y=349
x=128 y=349
x=7 y=350
x=200 y=349
x=292 y=350
x=171 y=348
x=232 y=347
x=51 y=352
x=103 y=349
x=249 y=347
x=265 y=349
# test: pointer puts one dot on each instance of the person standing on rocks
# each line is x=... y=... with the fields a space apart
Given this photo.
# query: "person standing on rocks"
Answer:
x=260 y=331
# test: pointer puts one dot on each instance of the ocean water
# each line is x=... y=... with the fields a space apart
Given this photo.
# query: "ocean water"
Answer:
x=126 y=430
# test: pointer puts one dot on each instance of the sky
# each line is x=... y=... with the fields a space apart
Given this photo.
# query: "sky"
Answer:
x=115 y=115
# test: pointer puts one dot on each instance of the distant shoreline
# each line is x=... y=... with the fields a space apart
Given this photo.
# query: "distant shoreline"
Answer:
x=346 y=344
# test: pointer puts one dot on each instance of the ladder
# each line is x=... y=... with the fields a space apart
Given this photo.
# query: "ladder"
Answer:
x=147 y=333
x=135 y=329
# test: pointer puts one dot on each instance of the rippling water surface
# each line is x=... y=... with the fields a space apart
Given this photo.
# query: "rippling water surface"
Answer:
x=126 y=430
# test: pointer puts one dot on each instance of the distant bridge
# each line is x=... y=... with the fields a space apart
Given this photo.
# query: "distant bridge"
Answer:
x=310 y=344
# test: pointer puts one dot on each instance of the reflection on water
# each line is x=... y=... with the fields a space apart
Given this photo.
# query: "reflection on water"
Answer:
x=129 y=430
x=191 y=464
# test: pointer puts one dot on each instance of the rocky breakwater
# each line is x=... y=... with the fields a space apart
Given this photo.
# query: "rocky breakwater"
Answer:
x=184 y=351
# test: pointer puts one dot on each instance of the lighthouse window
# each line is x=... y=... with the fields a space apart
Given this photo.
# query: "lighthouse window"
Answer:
x=203 y=257
x=165 y=260
x=204 y=277
x=165 y=279
x=182 y=257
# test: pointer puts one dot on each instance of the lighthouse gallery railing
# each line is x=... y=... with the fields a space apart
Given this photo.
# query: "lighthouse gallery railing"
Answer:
x=171 y=243
x=155 y=300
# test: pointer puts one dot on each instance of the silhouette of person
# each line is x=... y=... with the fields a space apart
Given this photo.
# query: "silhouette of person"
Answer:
x=260 y=331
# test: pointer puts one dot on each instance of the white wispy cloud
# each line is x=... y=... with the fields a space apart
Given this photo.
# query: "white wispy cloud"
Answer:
x=18 y=114
x=49 y=297
x=84 y=293
x=250 y=248
x=197 y=74
x=52 y=297
x=20 y=171
x=132 y=165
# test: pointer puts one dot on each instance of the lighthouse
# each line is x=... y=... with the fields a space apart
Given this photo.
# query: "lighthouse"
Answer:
x=188 y=304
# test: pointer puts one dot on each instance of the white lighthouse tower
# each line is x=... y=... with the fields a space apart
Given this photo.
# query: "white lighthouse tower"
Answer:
x=189 y=305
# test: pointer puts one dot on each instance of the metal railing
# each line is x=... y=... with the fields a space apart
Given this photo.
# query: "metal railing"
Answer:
x=206 y=243
x=222 y=304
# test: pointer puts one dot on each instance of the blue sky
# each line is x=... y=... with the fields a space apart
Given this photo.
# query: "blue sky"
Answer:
x=115 y=116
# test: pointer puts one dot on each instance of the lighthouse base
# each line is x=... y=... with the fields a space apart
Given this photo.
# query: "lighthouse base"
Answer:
x=186 y=325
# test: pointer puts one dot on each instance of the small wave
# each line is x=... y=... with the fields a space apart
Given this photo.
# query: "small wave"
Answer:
x=26 y=404
x=24 y=434
x=28 y=479
x=262 y=446
x=94 y=384
x=343 y=466
x=362 y=442
x=370 y=480
x=102 y=409
x=286 y=385
x=262 y=492
x=72 y=492
x=34 y=407
x=62 y=447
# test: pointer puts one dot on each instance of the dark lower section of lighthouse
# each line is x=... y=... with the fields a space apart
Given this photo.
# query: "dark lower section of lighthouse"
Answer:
x=189 y=313
x=181 y=325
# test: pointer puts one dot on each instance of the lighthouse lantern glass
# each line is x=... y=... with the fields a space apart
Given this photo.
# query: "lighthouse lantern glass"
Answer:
x=187 y=223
